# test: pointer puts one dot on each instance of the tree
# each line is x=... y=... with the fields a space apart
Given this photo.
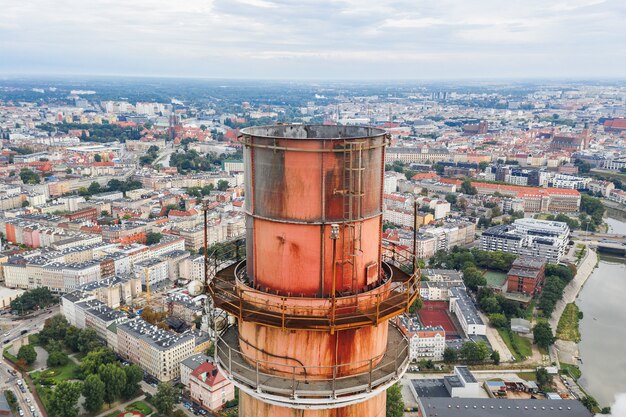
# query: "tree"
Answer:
x=94 y=188
x=153 y=238
x=97 y=158
x=395 y=404
x=589 y=402
x=11 y=399
x=542 y=334
x=165 y=398
x=222 y=185
x=114 y=379
x=490 y=305
x=71 y=338
x=63 y=402
x=29 y=177
x=468 y=188
x=416 y=306
x=32 y=300
x=544 y=379
x=450 y=355
x=134 y=375
x=499 y=320
x=473 y=278
x=93 y=360
x=474 y=351
x=88 y=340
x=56 y=359
x=495 y=357
x=104 y=213
x=25 y=203
x=93 y=390
x=27 y=352
x=451 y=198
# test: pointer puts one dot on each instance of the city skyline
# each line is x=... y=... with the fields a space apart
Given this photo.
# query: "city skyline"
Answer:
x=334 y=40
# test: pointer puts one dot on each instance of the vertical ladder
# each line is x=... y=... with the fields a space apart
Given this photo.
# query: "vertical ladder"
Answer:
x=352 y=206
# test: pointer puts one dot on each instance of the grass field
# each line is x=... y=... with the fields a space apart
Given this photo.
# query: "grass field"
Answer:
x=571 y=370
x=140 y=406
x=9 y=355
x=495 y=279
x=567 y=329
x=56 y=375
x=528 y=376
x=519 y=346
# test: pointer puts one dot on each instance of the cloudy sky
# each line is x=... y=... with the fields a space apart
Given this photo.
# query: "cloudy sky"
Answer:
x=316 y=39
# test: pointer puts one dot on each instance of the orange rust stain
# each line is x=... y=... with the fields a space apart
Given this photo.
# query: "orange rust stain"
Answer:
x=250 y=407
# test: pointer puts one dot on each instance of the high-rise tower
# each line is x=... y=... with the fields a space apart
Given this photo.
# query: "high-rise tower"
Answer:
x=314 y=296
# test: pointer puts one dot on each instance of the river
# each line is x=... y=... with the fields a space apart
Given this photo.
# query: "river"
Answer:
x=602 y=329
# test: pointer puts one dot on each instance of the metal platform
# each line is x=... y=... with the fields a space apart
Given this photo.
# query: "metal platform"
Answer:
x=294 y=389
x=231 y=292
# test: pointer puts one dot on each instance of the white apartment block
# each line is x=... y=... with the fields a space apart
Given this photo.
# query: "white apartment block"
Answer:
x=530 y=237
x=157 y=351
x=465 y=311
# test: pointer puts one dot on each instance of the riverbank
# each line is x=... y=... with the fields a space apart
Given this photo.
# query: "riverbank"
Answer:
x=584 y=270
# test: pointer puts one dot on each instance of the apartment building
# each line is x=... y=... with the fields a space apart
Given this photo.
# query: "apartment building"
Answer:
x=465 y=311
x=526 y=275
x=157 y=351
x=425 y=342
x=154 y=270
x=209 y=387
x=417 y=154
x=529 y=237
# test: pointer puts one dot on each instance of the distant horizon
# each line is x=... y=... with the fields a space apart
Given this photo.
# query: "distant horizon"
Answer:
x=43 y=76
x=322 y=40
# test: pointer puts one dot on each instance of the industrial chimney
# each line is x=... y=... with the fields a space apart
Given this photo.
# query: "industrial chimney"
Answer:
x=313 y=298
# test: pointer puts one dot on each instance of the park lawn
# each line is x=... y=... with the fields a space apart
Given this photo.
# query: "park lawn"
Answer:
x=8 y=355
x=567 y=329
x=58 y=374
x=571 y=370
x=519 y=346
x=528 y=376
x=140 y=406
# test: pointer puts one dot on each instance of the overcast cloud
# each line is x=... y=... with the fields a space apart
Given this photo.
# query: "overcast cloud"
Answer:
x=315 y=39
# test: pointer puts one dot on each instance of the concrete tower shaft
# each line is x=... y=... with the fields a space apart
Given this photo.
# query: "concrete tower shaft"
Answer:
x=315 y=294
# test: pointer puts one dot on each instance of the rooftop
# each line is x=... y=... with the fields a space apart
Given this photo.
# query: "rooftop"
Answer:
x=497 y=407
x=158 y=338
x=465 y=304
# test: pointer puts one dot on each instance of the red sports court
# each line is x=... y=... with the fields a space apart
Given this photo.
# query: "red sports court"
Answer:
x=434 y=313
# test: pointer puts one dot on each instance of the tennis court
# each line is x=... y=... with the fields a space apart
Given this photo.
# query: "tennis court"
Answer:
x=433 y=313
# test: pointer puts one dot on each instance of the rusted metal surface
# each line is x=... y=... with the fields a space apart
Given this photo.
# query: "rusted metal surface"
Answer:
x=313 y=297
x=251 y=407
x=280 y=351
x=287 y=258
x=381 y=303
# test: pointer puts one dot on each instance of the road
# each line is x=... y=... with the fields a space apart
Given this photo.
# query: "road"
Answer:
x=13 y=329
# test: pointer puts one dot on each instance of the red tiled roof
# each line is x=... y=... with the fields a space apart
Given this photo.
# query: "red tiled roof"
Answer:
x=526 y=190
x=208 y=373
x=424 y=175
x=450 y=181
x=395 y=197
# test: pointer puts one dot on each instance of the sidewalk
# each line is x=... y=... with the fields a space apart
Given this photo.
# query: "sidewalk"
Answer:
x=122 y=406
x=573 y=288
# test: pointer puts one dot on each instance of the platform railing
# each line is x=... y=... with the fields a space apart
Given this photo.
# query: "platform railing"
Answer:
x=311 y=383
x=232 y=291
